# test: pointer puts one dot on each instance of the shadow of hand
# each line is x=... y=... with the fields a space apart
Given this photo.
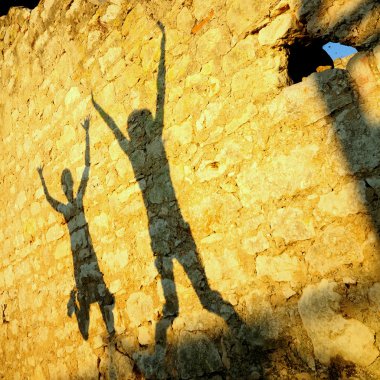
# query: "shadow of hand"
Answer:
x=71 y=303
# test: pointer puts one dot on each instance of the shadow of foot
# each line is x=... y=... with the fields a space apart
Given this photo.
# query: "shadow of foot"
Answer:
x=152 y=365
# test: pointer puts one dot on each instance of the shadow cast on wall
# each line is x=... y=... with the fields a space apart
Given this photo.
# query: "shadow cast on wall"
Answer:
x=171 y=238
x=344 y=26
x=90 y=285
x=215 y=354
x=170 y=234
x=359 y=137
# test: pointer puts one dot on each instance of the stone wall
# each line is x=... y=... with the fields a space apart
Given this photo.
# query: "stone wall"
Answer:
x=234 y=215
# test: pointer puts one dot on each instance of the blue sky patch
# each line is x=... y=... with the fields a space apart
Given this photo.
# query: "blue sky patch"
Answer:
x=335 y=50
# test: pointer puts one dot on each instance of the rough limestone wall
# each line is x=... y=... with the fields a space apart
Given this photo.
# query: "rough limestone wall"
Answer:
x=278 y=182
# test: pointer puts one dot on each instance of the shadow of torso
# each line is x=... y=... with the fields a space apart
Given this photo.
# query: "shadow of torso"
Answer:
x=87 y=273
x=167 y=228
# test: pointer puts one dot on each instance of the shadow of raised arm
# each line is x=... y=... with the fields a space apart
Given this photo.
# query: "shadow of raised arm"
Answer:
x=53 y=202
x=87 y=163
x=161 y=78
x=123 y=141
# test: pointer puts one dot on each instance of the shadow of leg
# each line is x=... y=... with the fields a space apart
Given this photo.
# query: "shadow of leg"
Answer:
x=108 y=318
x=210 y=299
x=83 y=315
x=153 y=366
x=239 y=343
x=106 y=304
x=164 y=267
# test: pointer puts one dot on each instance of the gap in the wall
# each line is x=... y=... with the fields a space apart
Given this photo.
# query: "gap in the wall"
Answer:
x=305 y=57
x=5 y=5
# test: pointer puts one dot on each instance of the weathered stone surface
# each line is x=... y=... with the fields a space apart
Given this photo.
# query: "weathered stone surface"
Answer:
x=101 y=221
x=214 y=42
x=183 y=134
x=291 y=224
x=253 y=190
x=244 y=81
x=68 y=135
x=197 y=321
x=111 y=14
x=72 y=96
x=8 y=276
x=277 y=29
x=122 y=167
x=279 y=268
x=241 y=54
x=210 y=169
x=336 y=247
x=241 y=16
x=345 y=201
x=185 y=20
x=139 y=308
x=255 y=244
x=54 y=233
x=111 y=56
x=294 y=172
x=225 y=270
x=330 y=333
x=122 y=366
x=146 y=335
x=57 y=370
x=115 y=286
x=86 y=365
x=363 y=68
x=62 y=250
x=20 y=200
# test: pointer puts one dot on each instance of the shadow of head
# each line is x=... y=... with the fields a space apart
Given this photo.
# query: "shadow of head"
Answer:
x=67 y=184
x=140 y=123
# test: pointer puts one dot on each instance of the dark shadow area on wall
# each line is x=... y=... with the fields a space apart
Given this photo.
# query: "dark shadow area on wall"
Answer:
x=213 y=353
x=90 y=285
x=5 y=5
x=345 y=25
x=358 y=136
x=170 y=235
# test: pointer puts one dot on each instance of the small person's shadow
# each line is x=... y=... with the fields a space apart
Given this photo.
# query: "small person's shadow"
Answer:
x=90 y=285
x=170 y=234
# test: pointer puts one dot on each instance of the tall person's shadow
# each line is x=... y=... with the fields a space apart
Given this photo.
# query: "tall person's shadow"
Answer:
x=170 y=235
x=90 y=285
